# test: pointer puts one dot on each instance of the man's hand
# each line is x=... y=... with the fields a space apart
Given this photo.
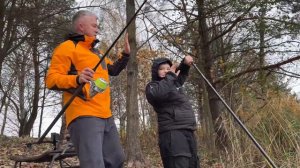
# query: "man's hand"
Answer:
x=85 y=75
x=188 y=60
x=126 y=45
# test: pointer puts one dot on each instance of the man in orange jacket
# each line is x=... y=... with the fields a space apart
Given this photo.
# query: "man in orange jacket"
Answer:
x=89 y=117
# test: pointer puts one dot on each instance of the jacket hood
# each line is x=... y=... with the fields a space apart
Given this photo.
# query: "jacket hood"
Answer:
x=156 y=63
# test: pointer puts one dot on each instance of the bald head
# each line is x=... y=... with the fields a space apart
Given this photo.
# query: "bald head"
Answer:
x=85 y=22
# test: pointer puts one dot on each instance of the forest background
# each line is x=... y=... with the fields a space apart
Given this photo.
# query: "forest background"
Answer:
x=247 y=49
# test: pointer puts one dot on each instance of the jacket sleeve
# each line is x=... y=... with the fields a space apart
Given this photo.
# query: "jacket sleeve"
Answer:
x=184 y=72
x=57 y=76
x=115 y=68
x=158 y=91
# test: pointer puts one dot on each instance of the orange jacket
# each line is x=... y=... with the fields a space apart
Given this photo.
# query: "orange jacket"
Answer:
x=70 y=58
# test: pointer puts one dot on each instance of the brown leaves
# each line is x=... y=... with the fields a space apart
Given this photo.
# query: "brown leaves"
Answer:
x=14 y=146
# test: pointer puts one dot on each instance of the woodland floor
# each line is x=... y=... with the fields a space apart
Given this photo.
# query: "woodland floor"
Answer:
x=10 y=146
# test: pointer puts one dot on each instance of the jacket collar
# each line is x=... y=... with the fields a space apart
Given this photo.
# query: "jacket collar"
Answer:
x=86 y=40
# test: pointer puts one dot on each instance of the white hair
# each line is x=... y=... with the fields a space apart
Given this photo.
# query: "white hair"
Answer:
x=79 y=15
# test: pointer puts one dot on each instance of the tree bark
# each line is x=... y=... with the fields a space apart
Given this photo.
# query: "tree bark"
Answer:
x=133 y=148
x=21 y=79
x=35 y=102
x=5 y=101
x=42 y=111
x=4 y=118
x=207 y=59
x=262 y=54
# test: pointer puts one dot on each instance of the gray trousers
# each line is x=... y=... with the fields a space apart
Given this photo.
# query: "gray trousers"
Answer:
x=97 y=142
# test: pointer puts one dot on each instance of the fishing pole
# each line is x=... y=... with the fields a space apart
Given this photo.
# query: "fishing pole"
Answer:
x=77 y=91
x=236 y=118
x=270 y=161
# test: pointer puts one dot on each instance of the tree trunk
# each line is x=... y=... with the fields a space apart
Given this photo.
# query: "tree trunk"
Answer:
x=35 y=101
x=43 y=104
x=7 y=29
x=214 y=101
x=63 y=131
x=206 y=119
x=143 y=112
x=133 y=148
x=35 y=59
x=262 y=31
x=42 y=111
x=21 y=79
x=5 y=102
x=152 y=117
x=4 y=118
x=123 y=125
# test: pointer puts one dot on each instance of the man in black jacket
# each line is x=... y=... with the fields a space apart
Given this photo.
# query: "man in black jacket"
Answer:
x=176 y=118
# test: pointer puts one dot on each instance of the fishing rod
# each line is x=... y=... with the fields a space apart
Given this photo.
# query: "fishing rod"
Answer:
x=77 y=91
x=270 y=161
x=236 y=118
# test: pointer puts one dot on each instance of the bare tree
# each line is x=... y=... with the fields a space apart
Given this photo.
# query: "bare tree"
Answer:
x=133 y=148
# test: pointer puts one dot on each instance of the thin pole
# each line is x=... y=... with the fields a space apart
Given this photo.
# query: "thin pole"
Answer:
x=77 y=91
x=236 y=118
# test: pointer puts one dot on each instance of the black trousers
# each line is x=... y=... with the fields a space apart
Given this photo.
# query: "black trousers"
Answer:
x=178 y=149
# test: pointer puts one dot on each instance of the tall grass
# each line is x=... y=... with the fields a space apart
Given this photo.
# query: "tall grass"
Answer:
x=275 y=123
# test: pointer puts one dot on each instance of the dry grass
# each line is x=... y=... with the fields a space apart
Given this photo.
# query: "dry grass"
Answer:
x=274 y=122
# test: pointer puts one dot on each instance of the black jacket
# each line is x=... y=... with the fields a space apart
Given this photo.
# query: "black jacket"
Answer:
x=168 y=100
